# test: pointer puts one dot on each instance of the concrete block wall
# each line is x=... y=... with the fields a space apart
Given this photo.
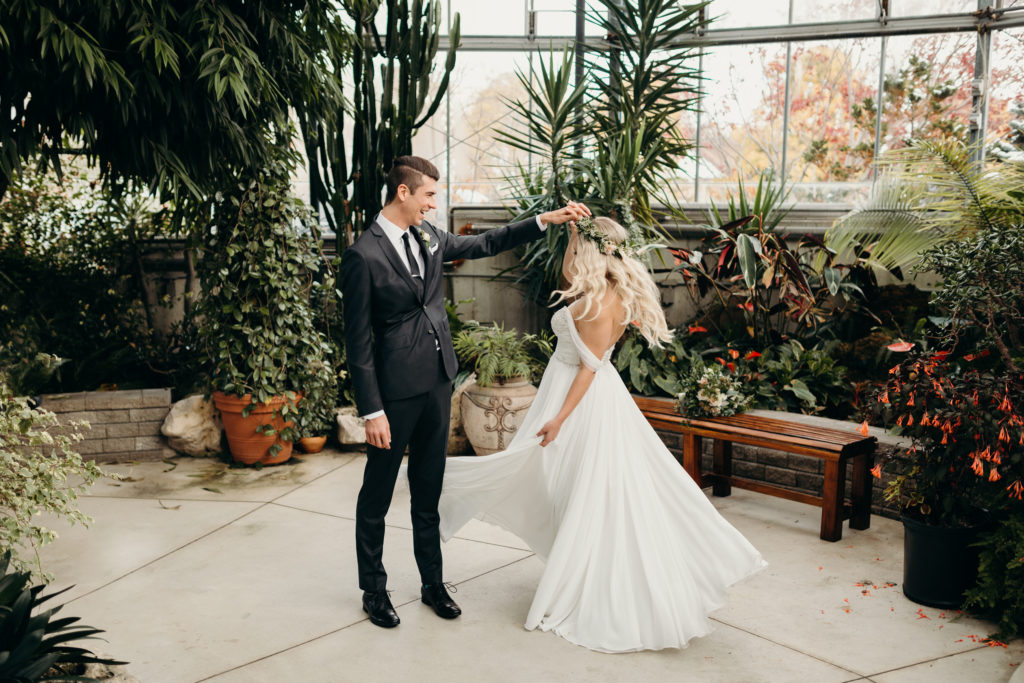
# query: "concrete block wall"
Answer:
x=797 y=472
x=124 y=425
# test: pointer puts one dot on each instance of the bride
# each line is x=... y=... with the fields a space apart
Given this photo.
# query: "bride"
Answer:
x=636 y=556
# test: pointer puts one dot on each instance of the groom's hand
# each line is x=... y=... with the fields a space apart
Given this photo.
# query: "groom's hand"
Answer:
x=573 y=211
x=378 y=432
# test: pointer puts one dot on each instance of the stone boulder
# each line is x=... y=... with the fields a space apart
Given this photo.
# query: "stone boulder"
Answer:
x=351 y=427
x=193 y=427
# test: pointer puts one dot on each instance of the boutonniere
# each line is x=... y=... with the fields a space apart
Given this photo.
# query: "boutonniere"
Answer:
x=425 y=236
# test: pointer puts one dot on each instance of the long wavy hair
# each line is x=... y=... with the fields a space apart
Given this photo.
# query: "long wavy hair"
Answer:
x=593 y=272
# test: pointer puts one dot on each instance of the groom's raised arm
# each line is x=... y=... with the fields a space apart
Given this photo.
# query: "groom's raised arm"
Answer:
x=501 y=239
x=355 y=292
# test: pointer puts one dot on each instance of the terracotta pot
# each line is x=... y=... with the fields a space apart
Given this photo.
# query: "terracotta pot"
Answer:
x=312 y=444
x=491 y=415
x=247 y=445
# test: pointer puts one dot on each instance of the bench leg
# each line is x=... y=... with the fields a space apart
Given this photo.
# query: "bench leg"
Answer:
x=860 y=494
x=722 y=468
x=832 y=494
x=691 y=457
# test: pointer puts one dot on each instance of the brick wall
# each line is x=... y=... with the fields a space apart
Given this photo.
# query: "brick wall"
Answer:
x=124 y=425
x=797 y=472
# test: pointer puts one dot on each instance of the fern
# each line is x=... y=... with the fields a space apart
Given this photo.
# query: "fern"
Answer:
x=498 y=355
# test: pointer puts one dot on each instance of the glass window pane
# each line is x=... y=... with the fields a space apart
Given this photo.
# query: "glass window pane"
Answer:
x=555 y=17
x=747 y=13
x=488 y=18
x=819 y=11
x=927 y=87
x=741 y=123
x=906 y=8
x=479 y=162
x=831 y=143
x=1006 y=90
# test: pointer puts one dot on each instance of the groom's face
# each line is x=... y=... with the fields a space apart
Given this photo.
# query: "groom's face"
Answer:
x=418 y=203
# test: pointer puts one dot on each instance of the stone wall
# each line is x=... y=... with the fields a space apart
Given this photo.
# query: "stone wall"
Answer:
x=124 y=425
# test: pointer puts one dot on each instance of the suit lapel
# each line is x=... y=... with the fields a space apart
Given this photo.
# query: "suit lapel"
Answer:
x=395 y=260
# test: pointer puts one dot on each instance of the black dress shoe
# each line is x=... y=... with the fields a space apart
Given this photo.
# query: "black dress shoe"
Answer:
x=437 y=597
x=378 y=605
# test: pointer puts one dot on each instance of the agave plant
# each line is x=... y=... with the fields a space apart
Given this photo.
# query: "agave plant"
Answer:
x=34 y=647
x=927 y=194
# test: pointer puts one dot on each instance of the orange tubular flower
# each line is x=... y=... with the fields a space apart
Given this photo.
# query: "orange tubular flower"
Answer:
x=876 y=471
x=910 y=401
x=734 y=354
x=1016 y=489
x=884 y=398
x=978 y=466
x=994 y=475
x=751 y=355
x=693 y=329
x=863 y=428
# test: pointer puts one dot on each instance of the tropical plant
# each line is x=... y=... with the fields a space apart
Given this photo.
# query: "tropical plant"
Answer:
x=33 y=645
x=40 y=472
x=967 y=455
x=791 y=378
x=498 y=355
x=257 y=331
x=163 y=95
x=73 y=283
x=774 y=286
x=651 y=371
x=982 y=291
x=612 y=139
x=394 y=93
x=998 y=594
x=927 y=194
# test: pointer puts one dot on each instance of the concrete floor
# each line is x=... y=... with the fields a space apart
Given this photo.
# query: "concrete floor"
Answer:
x=201 y=572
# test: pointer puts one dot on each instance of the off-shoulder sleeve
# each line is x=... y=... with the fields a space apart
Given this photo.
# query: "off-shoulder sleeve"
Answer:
x=586 y=355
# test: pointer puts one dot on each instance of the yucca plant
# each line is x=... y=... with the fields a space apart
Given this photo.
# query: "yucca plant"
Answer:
x=33 y=645
x=929 y=193
x=611 y=139
x=497 y=355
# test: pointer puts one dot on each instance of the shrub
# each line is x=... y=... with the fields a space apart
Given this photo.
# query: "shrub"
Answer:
x=38 y=469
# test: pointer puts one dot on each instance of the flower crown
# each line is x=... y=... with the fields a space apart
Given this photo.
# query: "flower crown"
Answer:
x=586 y=229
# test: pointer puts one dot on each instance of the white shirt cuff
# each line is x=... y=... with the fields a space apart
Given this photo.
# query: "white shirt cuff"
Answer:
x=541 y=224
x=373 y=415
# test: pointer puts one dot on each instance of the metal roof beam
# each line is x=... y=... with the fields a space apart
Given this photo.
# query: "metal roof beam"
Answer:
x=982 y=21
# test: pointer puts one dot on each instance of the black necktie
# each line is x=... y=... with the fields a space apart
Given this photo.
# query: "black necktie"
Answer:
x=413 y=266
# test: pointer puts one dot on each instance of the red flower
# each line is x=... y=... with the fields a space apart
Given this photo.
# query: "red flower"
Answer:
x=940 y=355
x=751 y=354
x=748 y=307
x=876 y=471
x=693 y=329
x=863 y=428
x=900 y=346
x=884 y=398
x=734 y=354
x=994 y=475
x=731 y=366
x=1016 y=489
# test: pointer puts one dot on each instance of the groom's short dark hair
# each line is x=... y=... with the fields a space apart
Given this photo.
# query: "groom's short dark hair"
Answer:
x=409 y=171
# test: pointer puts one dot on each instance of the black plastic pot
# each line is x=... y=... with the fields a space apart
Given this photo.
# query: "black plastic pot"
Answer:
x=938 y=562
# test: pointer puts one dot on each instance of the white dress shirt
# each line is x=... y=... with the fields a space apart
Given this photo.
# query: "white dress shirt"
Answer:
x=394 y=235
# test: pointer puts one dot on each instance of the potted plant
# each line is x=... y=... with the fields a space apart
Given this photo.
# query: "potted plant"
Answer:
x=257 y=332
x=964 y=473
x=317 y=415
x=495 y=403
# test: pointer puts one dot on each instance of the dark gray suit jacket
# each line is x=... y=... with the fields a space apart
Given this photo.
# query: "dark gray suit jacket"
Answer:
x=391 y=323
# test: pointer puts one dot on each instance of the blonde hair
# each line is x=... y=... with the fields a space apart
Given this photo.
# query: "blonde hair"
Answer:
x=593 y=272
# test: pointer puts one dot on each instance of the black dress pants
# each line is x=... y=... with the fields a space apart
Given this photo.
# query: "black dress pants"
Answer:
x=421 y=423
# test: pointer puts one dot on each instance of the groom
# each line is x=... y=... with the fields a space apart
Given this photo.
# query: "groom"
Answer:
x=401 y=359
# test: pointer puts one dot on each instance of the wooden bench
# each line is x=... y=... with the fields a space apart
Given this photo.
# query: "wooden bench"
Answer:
x=835 y=447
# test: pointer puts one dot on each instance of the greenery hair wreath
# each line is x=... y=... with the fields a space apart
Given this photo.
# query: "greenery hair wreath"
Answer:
x=586 y=229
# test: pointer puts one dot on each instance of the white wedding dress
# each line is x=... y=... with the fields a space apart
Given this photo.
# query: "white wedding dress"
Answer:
x=636 y=555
